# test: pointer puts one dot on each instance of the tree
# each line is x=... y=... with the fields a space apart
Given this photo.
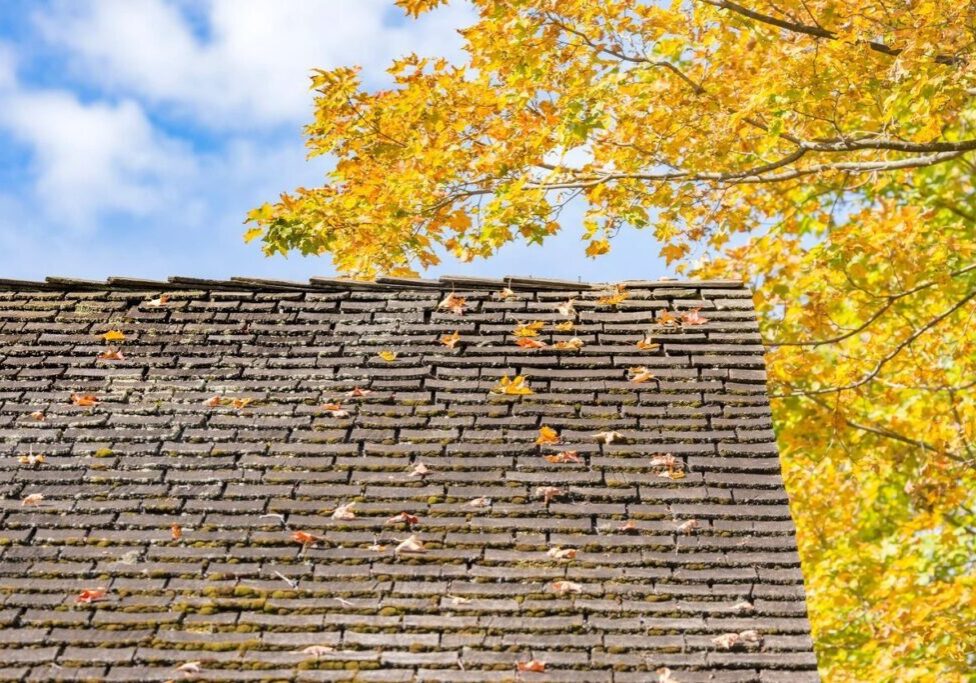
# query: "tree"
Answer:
x=821 y=149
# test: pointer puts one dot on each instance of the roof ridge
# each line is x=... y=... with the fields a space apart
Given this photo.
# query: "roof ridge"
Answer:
x=334 y=283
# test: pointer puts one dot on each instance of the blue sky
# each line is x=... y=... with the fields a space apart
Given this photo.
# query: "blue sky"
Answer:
x=136 y=134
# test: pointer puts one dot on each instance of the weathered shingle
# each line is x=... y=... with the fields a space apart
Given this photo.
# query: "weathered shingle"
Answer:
x=215 y=420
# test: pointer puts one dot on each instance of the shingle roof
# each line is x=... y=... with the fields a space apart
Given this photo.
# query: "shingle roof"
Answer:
x=237 y=597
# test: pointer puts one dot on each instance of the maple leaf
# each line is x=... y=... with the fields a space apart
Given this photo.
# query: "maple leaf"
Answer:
x=455 y=304
x=241 y=403
x=113 y=336
x=403 y=518
x=563 y=457
x=618 y=296
x=549 y=493
x=566 y=308
x=528 y=329
x=316 y=651
x=514 y=386
x=671 y=474
x=451 y=340
x=84 y=400
x=419 y=470
x=667 y=318
x=505 y=294
x=33 y=499
x=358 y=392
x=411 y=544
x=111 y=353
x=728 y=641
x=665 y=460
x=563 y=587
x=213 y=401
x=480 y=502
x=547 y=435
x=689 y=526
x=161 y=300
x=640 y=374
x=608 y=437
x=628 y=527
x=176 y=531
x=533 y=665
x=388 y=356
x=31 y=459
x=38 y=416
x=528 y=343
x=574 y=344
x=86 y=597
x=562 y=553
x=344 y=512
x=306 y=538
x=565 y=326
x=646 y=344
x=335 y=410
x=693 y=317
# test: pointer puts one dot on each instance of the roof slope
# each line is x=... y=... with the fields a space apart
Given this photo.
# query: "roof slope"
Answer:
x=214 y=421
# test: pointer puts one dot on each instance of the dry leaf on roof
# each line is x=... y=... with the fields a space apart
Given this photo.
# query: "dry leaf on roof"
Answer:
x=574 y=344
x=664 y=460
x=562 y=553
x=528 y=343
x=618 y=296
x=566 y=308
x=451 y=340
x=190 y=668
x=639 y=374
x=480 y=502
x=412 y=544
x=113 y=336
x=528 y=329
x=241 y=403
x=161 y=300
x=344 y=511
x=727 y=641
x=213 y=401
x=305 y=538
x=563 y=587
x=419 y=470
x=388 y=356
x=667 y=318
x=743 y=607
x=628 y=527
x=458 y=600
x=547 y=435
x=111 y=353
x=693 y=317
x=38 y=416
x=646 y=344
x=672 y=474
x=86 y=597
x=608 y=437
x=533 y=665
x=84 y=400
x=563 y=456
x=453 y=303
x=403 y=518
x=31 y=459
x=315 y=651
x=335 y=410
x=514 y=386
x=664 y=675
x=358 y=392
x=549 y=493
x=566 y=326
x=176 y=531
x=689 y=526
x=505 y=294
x=33 y=499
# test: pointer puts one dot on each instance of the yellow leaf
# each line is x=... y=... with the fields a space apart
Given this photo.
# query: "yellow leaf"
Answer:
x=388 y=356
x=113 y=336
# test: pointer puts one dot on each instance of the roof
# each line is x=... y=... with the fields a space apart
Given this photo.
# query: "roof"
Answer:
x=161 y=537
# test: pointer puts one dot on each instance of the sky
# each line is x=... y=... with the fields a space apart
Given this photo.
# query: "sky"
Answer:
x=136 y=134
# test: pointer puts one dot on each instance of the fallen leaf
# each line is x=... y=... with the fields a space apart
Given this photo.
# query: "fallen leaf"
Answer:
x=547 y=435
x=566 y=326
x=316 y=650
x=549 y=493
x=31 y=459
x=667 y=318
x=505 y=294
x=86 y=597
x=376 y=548
x=689 y=526
x=38 y=416
x=671 y=474
x=608 y=437
x=533 y=665
x=344 y=512
x=665 y=460
x=567 y=309
x=358 y=392
x=640 y=374
x=693 y=317
x=388 y=356
x=458 y=600
x=189 y=668
x=628 y=527
x=241 y=403
x=618 y=296
x=562 y=457
x=113 y=336
x=403 y=518
x=453 y=303
x=646 y=344
x=574 y=344
x=664 y=675
x=528 y=343
x=213 y=401
x=176 y=531
x=750 y=636
x=305 y=538
x=528 y=329
x=727 y=641
x=514 y=386
x=84 y=400
x=410 y=545
x=744 y=607
x=33 y=499
x=451 y=340
x=480 y=502
x=562 y=553
x=563 y=587
x=111 y=353
x=161 y=300
x=335 y=410
x=419 y=470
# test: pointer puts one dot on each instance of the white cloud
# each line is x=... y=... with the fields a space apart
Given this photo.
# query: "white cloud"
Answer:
x=250 y=64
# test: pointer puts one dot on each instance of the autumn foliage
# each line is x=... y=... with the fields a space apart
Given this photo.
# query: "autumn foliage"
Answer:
x=821 y=150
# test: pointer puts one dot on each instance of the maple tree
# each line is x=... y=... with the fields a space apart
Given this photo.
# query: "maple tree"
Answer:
x=820 y=150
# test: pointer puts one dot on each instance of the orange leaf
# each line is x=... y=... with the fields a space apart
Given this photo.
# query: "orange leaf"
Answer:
x=563 y=587
x=562 y=553
x=89 y=596
x=453 y=303
x=505 y=294
x=213 y=401
x=514 y=386
x=640 y=374
x=693 y=317
x=111 y=353
x=533 y=665
x=527 y=343
x=38 y=416
x=451 y=340
x=305 y=538
x=176 y=531
x=403 y=518
x=565 y=456
x=242 y=403
x=646 y=344
x=528 y=329
x=549 y=493
x=161 y=300
x=84 y=400
x=113 y=336
x=667 y=318
x=574 y=344
x=358 y=392
x=547 y=435
x=628 y=527
x=618 y=296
